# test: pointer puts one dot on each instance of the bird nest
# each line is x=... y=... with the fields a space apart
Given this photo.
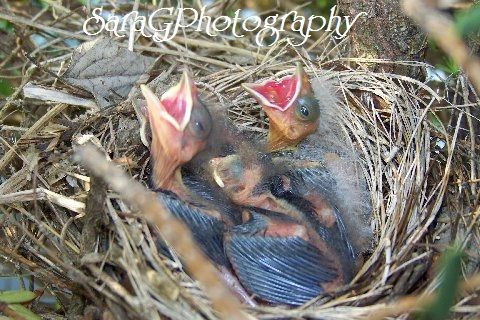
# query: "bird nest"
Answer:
x=98 y=256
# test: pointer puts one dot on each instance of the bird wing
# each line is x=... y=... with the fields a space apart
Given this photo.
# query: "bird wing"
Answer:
x=208 y=231
x=280 y=270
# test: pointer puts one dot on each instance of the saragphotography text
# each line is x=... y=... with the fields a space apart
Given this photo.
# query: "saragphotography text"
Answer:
x=164 y=24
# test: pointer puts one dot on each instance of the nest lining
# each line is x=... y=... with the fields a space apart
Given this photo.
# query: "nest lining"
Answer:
x=421 y=194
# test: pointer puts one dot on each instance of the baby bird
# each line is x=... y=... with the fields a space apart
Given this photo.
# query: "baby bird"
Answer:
x=181 y=127
x=291 y=107
x=284 y=253
x=306 y=114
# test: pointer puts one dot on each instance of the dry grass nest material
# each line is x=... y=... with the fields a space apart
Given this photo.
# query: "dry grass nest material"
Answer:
x=422 y=174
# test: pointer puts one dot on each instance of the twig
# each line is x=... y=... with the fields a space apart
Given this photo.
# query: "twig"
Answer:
x=95 y=217
x=34 y=91
x=41 y=194
x=219 y=46
x=11 y=99
x=409 y=303
x=23 y=21
x=137 y=195
x=52 y=113
x=183 y=54
x=79 y=36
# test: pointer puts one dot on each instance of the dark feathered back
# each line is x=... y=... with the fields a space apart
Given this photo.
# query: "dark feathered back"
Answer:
x=329 y=145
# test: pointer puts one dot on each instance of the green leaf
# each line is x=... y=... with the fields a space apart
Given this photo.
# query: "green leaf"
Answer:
x=6 y=25
x=23 y=312
x=435 y=121
x=230 y=12
x=17 y=296
x=450 y=273
x=5 y=88
x=57 y=306
x=449 y=66
x=324 y=5
x=468 y=23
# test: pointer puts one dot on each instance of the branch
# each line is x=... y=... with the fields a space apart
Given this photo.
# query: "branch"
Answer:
x=442 y=29
x=172 y=229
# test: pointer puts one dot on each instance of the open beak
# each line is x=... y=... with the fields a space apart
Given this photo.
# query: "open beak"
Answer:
x=169 y=116
x=175 y=105
x=279 y=94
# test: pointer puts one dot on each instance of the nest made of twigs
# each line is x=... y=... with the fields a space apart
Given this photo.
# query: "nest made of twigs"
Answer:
x=421 y=174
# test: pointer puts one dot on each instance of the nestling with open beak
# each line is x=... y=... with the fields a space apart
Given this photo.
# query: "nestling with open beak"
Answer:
x=291 y=107
x=306 y=114
x=289 y=250
x=181 y=126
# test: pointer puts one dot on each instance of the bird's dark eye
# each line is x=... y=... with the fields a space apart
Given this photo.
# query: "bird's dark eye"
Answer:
x=307 y=109
x=236 y=169
x=304 y=111
x=200 y=123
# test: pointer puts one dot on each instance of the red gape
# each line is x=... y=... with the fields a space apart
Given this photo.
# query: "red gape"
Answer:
x=181 y=125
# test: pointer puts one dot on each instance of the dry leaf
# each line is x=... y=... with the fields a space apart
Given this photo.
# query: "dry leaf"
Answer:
x=106 y=70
